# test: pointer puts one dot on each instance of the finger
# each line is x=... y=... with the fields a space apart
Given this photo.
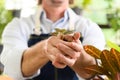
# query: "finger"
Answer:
x=53 y=40
x=68 y=51
x=77 y=47
x=51 y=52
x=51 y=57
x=76 y=36
x=55 y=62
x=59 y=64
x=66 y=60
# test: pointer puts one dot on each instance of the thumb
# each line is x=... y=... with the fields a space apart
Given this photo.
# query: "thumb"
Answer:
x=76 y=35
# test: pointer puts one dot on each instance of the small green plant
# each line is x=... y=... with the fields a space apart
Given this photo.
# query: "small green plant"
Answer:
x=61 y=32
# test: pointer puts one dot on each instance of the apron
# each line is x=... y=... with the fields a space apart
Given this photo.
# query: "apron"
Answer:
x=49 y=72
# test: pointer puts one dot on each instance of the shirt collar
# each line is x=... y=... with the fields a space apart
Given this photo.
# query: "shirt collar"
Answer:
x=43 y=18
x=69 y=18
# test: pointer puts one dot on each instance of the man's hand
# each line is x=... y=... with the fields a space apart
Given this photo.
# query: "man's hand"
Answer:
x=63 y=53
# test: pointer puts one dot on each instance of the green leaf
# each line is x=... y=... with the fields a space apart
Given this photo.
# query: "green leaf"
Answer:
x=61 y=31
x=113 y=45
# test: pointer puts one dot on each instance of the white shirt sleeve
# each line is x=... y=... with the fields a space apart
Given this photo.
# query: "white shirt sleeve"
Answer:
x=14 y=39
x=92 y=34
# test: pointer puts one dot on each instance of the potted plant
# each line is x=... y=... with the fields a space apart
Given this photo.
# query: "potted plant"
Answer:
x=109 y=61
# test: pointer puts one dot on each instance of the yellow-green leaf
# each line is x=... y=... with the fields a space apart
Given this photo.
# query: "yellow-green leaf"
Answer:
x=113 y=45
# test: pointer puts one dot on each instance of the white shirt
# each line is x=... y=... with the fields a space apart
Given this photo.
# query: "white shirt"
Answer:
x=17 y=33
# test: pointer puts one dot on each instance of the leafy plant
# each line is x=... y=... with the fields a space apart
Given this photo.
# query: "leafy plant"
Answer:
x=110 y=62
x=61 y=32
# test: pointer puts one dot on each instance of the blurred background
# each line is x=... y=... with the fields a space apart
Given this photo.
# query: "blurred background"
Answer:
x=106 y=13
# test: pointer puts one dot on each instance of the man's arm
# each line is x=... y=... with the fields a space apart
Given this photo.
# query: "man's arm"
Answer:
x=76 y=48
x=33 y=59
x=83 y=61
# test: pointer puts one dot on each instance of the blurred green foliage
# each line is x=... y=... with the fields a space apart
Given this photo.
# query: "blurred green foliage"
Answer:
x=5 y=16
x=101 y=11
x=113 y=45
x=114 y=19
x=113 y=15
